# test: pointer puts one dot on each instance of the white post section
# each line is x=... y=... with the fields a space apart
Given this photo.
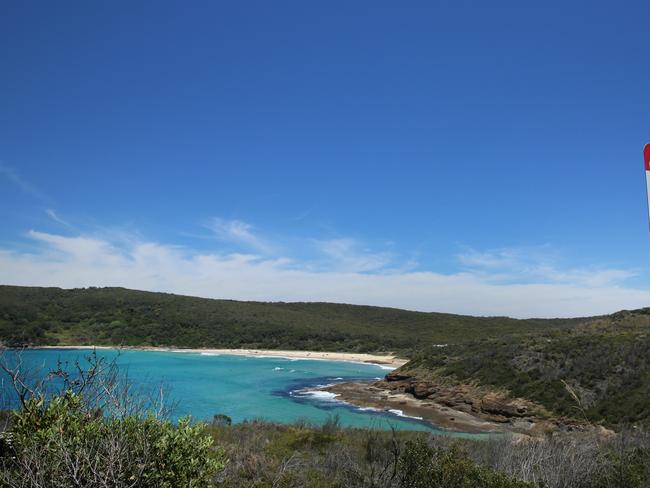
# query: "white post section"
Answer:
x=647 y=186
x=646 y=157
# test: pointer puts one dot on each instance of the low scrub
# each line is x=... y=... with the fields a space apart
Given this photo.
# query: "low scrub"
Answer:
x=263 y=454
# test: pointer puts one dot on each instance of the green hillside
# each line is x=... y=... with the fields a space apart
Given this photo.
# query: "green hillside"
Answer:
x=117 y=316
x=599 y=370
x=605 y=360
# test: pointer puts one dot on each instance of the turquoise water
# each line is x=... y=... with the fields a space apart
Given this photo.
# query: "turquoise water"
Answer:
x=244 y=388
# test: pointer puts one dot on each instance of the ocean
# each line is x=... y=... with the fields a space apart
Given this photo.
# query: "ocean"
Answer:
x=244 y=388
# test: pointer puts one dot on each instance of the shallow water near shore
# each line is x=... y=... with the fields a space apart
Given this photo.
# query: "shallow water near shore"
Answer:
x=244 y=388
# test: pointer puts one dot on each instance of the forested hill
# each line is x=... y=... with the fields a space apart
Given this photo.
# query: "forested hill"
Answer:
x=118 y=316
x=598 y=370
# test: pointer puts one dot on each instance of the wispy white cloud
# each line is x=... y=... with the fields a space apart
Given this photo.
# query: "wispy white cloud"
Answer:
x=535 y=265
x=84 y=260
x=238 y=232
x=302 y=215
x=54 y=216
x=11 y=175
x=77 y=249
x=345 y=254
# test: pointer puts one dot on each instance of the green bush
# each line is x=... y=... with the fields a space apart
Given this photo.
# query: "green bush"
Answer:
x=61 y=443
x=421 y=466
x=624 y=468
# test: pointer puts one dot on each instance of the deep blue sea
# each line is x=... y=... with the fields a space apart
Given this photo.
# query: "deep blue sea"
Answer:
x=244 y=388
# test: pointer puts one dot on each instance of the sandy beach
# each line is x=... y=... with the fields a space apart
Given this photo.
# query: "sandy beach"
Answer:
x=383 y=360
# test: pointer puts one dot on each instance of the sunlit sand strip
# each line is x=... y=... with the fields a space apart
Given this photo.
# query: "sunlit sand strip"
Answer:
x=382 y=360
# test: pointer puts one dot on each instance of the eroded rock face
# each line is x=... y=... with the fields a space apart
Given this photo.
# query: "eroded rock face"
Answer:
x=492 y=404
x=465 y=398
x=421 y=389
x=397 y=376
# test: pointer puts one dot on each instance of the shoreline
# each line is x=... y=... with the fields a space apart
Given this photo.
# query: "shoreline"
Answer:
x=368 y=396
x=363 y=395
x=387 y=361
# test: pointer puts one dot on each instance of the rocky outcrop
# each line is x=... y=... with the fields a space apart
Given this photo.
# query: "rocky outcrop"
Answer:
x=454 y=406
x=494 y=405
x=471 y=399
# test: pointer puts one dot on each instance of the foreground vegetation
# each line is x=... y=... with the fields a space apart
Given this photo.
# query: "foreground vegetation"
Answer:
x=59 y=444
x=117 y=316
x=84 y=425
x=262 y=454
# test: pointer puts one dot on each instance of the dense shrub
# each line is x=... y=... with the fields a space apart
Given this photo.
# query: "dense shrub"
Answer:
x=421 y=466
x=61 y=443
x=624 y=468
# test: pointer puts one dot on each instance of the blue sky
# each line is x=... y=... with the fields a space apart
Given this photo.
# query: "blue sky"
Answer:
x=455 y=156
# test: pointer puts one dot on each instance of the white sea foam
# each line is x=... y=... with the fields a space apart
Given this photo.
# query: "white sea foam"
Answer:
x=269 y=356
x=400 y=413
x=278 y=369
x=368 y=409
x=320 y=395
x=210 y=354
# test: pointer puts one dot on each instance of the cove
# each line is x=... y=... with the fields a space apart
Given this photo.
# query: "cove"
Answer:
x=243 y=387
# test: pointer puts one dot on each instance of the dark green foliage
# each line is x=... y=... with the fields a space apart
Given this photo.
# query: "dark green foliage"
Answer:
x=116 y=316
x=221 y=419
x=421 y=466
x=605 y=362
x=61 y=443
x=624 y=468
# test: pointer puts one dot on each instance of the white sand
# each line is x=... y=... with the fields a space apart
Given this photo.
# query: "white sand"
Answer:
x=387 y=360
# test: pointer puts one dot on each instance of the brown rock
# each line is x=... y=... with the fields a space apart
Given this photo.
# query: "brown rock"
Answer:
x=497 y=406
x=395 y=376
